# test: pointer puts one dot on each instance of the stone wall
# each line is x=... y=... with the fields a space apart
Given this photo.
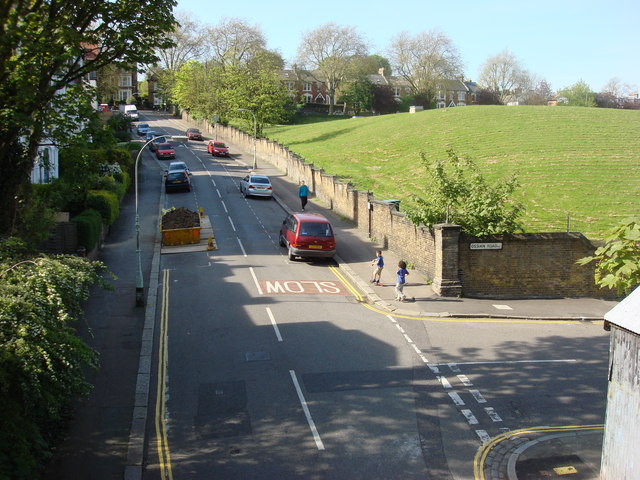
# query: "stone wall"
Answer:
x=527 y=265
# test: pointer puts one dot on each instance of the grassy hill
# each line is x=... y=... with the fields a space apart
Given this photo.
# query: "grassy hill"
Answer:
x=577 y=162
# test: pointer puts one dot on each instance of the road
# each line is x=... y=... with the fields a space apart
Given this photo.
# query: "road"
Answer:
x=276 y=369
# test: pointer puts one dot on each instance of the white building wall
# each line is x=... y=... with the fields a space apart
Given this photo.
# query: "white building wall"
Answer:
x=620 y=459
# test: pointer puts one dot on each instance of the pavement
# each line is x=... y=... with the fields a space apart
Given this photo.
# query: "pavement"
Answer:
x=104 y=436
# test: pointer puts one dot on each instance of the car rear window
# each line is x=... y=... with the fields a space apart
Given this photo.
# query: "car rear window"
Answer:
x=165 y=146
x=176 y=175
x=218 y=144
x=315 y=229
x=259 y=180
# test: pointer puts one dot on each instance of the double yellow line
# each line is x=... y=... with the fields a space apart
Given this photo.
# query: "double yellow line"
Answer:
x=483 y=452
x=336 y=271
x=162 y=442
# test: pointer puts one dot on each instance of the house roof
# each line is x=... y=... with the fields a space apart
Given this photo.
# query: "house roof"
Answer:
x=452 y=85
x=627 y=313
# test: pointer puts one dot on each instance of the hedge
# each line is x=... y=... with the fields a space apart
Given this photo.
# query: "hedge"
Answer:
x=105 y=202
x=89 y=223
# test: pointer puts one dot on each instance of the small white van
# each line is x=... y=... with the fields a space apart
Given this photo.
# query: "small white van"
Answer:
x=130 y=110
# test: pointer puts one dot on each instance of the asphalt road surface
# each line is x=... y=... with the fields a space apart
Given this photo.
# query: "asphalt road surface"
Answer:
x=276 y=369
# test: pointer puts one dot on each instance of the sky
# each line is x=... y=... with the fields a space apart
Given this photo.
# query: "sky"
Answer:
x=561 y=41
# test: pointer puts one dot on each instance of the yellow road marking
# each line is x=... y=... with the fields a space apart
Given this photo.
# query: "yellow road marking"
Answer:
x=346 y=283
x=484 y=450
x=162 y=442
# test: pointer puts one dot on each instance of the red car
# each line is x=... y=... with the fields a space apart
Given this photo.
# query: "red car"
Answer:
x=165 y=151
x=307 y=235
x=218 y=149
x=194 y=134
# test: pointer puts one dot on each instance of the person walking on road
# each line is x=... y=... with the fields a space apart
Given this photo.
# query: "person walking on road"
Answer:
x=378 y=264
x=400 y=281
x=303 y=193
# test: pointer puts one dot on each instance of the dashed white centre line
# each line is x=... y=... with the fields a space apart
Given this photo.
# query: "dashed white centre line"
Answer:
x=303 y=402
x=255 y=280
x=242 y=248
x=469 y=416
x=231 y=222
x=478 y=396
x=224 y=206
x=465 y=380
x=275 y=325
x=456 y=398
x=454 y=367
x=493 y=414
x=484 y=436
x=445 y=383
x=218 y=192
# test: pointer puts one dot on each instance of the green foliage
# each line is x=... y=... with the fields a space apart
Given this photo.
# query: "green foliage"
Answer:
x=618 y=260
x=581 y=162
x=358 y=95
x=457 y=192
x=120 y=125
x=35 y=217
x=106 y=203
x=89 y=224
x=578 y=95
x=41 y=357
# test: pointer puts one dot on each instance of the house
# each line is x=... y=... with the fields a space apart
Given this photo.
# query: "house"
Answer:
x=451 y=93
x=622 y=423
x=400 y=85
x=304 y=86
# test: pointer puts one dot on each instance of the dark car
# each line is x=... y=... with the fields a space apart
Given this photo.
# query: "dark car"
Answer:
x=307 y=235
x=165 y=151
x=153 y=146
x=177 y=180
x=218 y=149
x=194 y=134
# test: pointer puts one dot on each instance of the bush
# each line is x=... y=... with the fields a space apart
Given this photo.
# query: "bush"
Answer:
x=105 y=202
x=89 y=224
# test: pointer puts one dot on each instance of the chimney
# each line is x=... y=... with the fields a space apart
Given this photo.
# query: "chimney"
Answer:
x=381 y=71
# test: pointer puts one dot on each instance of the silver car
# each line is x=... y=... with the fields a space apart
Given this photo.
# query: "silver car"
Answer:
x=256 y=185
x=177 y=166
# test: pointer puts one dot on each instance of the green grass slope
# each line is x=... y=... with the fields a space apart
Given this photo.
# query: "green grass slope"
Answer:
x=582 y=163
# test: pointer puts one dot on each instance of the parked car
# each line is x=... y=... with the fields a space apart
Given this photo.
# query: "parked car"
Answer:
x=307 y=235
x=149 y=134
x=256 y=185
x=179 y=166
x=218 y=149
x=177 y=180
x=194 y=134
x=142 y=128
x=165 y=151
x=153 y=146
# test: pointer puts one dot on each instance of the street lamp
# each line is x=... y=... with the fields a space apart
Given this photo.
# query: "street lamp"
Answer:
x=139 y=279
x=255 y=164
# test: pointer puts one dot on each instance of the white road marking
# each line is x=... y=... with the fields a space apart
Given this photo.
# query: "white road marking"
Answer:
x=493 y=414
x=303 y=402
x=407 y=338
x=242 y=248
x=399 y=328
x=435 y=370
x=445 y=383
x=456 y=398
x=231 y=222
x=275 y=325
x=469 y=416
x=478 y=396
x=255 y=280
x=507 y=362
x=218 y=192
x=224 y=205
x=415 y=347
x=484 y=436
x=454 y=367
x=465 y=380
x=502 y=307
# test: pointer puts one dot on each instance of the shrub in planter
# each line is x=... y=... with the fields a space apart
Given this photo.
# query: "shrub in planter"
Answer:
x=106 y=203
x=89 y=224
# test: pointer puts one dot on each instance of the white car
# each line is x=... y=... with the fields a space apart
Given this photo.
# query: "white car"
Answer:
x=256 y=185
x=177 y=166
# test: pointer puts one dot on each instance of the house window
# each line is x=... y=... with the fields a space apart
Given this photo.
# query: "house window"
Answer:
x=288 y=85
x=441 y=104
x=441 y=95
x=396 y=91
x=125 y=80
x=461 y=96
x=123 y=95
x=307 y=98
x=307 y=87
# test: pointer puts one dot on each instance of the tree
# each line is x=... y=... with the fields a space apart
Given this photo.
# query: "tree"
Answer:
x=233 y=42
x=188 y=37
x=358 y=94
x=424 y=59
x=578 y=95
x=384 y=100
x=457 y=192
x=328 y=52
x=503 y=74
x=618 y=260
x=47 y=46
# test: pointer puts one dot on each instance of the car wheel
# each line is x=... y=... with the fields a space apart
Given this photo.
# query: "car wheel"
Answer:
x=291 y=255
x=282 y=242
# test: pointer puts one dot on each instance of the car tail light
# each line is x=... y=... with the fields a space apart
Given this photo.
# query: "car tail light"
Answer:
x=250 y=186
x=270 y=188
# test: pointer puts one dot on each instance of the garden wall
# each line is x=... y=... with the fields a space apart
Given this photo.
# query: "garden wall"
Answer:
x=525 y=266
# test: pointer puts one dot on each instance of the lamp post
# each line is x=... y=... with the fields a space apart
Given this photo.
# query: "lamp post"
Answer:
x=255 y=164
x=139 y=279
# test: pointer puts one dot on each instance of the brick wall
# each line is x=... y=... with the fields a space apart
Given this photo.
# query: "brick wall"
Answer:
x=528 y=265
